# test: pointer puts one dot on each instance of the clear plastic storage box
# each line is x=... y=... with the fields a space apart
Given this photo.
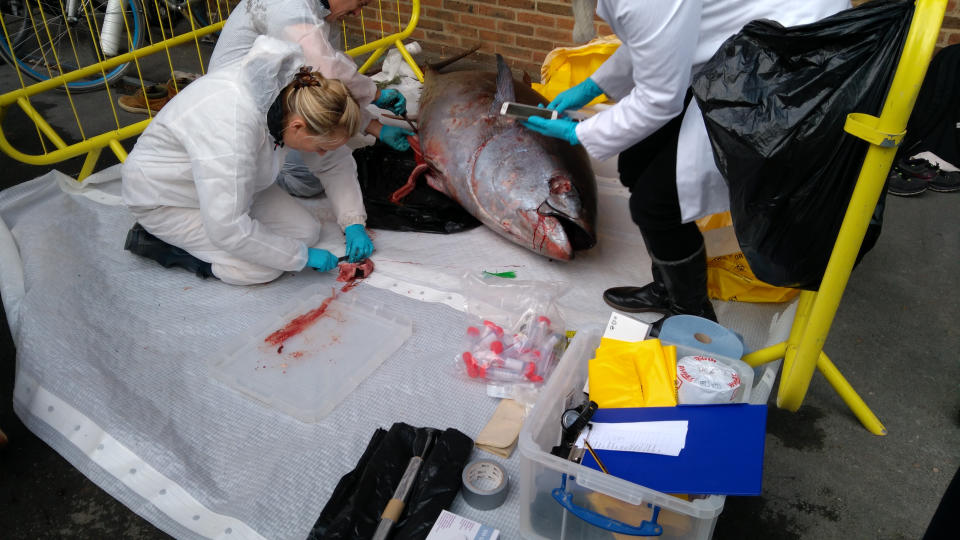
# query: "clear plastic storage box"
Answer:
x=542 y=517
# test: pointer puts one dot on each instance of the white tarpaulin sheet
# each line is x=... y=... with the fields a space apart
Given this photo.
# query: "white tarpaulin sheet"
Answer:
x=113 y=357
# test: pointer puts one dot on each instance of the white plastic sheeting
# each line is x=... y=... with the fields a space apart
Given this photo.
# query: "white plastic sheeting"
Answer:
x=113 y=353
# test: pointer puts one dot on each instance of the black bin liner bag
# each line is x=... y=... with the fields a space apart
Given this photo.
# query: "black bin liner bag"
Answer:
x=775 y=100
x=381 y=170
x=354 y=508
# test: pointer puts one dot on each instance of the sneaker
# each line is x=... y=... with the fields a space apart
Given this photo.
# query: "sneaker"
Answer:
x=945 y=182
x=156 y=97
x=917 y=167
x=905 y=186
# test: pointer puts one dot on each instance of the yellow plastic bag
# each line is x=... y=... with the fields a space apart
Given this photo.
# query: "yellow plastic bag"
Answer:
x=614 y=383
x=729 y=277
x=565 y=67
x=641 y=374
x=657 y=378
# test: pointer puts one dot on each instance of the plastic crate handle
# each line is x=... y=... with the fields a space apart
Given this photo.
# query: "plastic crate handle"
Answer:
x=646 y=528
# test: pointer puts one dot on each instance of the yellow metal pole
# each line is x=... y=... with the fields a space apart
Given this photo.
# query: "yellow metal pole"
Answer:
x=106 y=65
x=394 y=39
x=118 y=150
x=89 y=163
x=767 y=354
x=850 y=396
x=42 y=124
x=883 y=133
x=800 y=320
x=75 y=149
x=372 y=58
x=413 y=65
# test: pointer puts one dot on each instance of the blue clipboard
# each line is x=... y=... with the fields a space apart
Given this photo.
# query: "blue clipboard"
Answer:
x=723 y=453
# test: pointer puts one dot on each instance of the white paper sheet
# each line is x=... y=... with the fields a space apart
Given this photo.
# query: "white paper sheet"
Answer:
x=666 y=437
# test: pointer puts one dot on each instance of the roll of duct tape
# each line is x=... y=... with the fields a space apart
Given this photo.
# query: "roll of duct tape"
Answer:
x=484 y=484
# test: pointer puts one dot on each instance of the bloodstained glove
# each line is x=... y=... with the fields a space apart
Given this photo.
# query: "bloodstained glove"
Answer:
x=359 y=245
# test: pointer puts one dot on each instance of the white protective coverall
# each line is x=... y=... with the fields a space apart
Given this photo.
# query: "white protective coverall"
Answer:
x=201 y=176
x=301 y=22
x=664 y=43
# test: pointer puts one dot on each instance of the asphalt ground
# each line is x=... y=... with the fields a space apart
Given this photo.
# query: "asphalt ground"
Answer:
x=895 y=338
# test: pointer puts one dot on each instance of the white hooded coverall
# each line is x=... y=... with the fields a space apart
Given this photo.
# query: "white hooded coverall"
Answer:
x=664 y=42
x=201 y=176
x=301 y=22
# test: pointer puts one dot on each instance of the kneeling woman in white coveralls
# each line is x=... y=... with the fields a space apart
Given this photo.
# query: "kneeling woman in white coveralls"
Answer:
x=200 y=180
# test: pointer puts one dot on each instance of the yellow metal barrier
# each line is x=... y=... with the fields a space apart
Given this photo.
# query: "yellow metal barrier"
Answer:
x=37 y=17
x=803 y=350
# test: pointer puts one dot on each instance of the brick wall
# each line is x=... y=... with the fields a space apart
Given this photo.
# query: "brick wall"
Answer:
x=950 y=31
x=523 y=31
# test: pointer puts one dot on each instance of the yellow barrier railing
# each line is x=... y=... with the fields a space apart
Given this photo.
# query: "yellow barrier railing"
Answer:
x=37 y=18
x=802 y=353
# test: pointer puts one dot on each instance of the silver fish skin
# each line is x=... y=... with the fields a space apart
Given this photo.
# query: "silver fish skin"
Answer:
x=536 y=191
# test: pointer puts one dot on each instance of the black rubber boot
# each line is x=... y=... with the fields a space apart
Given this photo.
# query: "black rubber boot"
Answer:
x=686 y=283
x=143 y=243
x=650 y=297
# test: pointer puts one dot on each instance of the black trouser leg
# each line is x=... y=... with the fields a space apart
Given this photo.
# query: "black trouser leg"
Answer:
x=648 y=169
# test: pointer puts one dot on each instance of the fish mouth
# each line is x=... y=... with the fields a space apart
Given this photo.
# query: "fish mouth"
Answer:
x=565 y=204
x=578 y=231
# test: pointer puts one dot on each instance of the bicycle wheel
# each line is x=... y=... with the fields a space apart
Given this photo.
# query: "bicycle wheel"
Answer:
x=47 y=38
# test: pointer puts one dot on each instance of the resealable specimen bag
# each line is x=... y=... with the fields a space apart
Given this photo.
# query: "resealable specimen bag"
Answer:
x=354 y=508
x=775 y=100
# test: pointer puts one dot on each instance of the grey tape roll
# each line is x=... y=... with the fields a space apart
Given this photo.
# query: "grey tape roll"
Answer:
x=484 y=484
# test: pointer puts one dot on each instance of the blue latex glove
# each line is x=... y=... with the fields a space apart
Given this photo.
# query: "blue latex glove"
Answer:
x=576 y=97
x=561 y=128
x=392 y=100
x=396 y=137
x=359 y=245
x=321 y=259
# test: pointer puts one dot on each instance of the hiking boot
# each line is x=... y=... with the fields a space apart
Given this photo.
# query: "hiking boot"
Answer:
x=945 y=182
x=142 y=243
x=650 y=297
x=905 y=186
x=917 y=167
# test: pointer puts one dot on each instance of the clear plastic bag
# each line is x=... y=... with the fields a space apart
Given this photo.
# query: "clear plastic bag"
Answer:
x=517 y=334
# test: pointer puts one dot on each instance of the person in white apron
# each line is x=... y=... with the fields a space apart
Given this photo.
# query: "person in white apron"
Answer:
x=665 y=158
x=314 y=26
x=201 y=178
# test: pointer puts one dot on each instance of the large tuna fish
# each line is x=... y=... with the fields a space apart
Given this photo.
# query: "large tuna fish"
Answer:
x=536 y=191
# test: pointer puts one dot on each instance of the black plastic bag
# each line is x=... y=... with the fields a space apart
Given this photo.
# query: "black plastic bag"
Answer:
x=353 y=510
x=775 y=100
x=381 y=170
